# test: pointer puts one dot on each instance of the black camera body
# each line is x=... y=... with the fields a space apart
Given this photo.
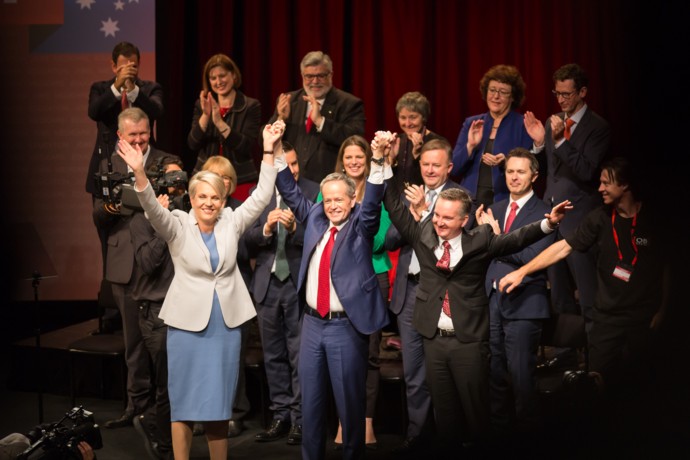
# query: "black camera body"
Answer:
x=109 y=185
x=60 y=440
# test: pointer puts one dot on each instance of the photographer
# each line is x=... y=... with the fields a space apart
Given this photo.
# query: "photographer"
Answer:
x=153 y=272
x=133 y=127
x=56 y=441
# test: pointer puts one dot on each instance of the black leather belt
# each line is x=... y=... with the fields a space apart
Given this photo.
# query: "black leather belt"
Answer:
x=413 y=277
x=446 y=332
x=330 y=315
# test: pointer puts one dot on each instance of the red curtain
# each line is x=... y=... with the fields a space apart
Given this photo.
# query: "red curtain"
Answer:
x=384 y=48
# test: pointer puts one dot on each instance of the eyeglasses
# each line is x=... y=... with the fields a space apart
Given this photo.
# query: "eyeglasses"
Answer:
x=499 y=92
x=318 y=76
x=565 y=96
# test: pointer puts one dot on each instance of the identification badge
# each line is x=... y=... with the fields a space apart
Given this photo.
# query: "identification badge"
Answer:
x=623 y=271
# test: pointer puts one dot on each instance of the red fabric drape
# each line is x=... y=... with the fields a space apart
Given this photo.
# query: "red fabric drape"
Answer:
x=382 y=49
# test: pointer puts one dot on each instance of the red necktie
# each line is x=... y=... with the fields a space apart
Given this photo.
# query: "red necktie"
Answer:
x=323 y=295
x=124 y=102
x=568 y=124
x=511 y=216
x=444 y=264
x=310 y=122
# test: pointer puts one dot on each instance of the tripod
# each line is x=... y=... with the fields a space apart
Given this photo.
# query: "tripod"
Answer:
x=33 y=264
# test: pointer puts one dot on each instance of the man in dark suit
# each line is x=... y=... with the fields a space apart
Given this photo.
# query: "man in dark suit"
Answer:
x=343 y=307
x=107 y=99
x=274 y=289
x=435 y=165
x=133 y=126
x=576 y=141
x=318 y=117
x=451 y=308
x=515 y=320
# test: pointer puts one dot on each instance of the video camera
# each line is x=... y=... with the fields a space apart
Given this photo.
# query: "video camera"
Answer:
x=60 y=440
x=109 y=186
x=160 y=181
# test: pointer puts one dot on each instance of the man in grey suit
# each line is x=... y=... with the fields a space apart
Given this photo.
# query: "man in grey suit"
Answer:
x=576 y=141
x=451 y=307
x=318 y=117
x=274 y=289
x=133 y=126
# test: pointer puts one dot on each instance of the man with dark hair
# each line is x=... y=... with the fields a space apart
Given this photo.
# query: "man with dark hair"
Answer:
x=633 y=274
x=575 y=142
x=435 y=166
x=277 y=239
x=318 y=117
x=451 y=308
x=107 y=99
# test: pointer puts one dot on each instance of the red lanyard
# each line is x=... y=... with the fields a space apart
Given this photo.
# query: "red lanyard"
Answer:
x=632 y=237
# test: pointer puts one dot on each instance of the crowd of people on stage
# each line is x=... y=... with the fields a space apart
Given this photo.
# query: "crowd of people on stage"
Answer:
x=306 y=243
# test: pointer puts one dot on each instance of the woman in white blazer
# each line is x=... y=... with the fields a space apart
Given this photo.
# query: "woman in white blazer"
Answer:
x=207 y=300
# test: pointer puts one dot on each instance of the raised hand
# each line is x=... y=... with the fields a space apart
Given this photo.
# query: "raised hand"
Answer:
x=283 y=106
x=487 y=217
x=534 y=128
x=558 y=212
x=205 y=102
x=131 y=155
x=474 y=135
x=557 y=127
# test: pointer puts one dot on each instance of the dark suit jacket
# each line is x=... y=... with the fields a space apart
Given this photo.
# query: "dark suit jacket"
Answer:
x=104 y=109
x=573 y=168
x=344 y=114
x=239 y=147
x=530 y=300
x=394 y=240
x=119 y=261
x=352 y=272
x=265 y=247
x=469 y=303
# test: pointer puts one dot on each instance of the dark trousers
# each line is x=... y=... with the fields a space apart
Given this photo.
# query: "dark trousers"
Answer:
x=154 y=333
x=458 y=377
x=414 y=368
x=279 y=326
x=332 y=349
x=136 y=356
x=514 y=344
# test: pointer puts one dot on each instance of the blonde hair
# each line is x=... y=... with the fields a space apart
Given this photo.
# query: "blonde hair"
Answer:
x=222 y=164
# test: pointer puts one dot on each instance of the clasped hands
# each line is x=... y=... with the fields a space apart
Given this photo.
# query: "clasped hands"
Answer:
x=271 y=136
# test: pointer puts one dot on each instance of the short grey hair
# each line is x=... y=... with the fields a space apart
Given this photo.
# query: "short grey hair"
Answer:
x=133 y=114
x=211 y=178
x=314 y=58
x=338 y=176
x=414 y=101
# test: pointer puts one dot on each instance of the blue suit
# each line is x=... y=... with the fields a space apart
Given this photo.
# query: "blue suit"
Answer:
x=338 y=348
x=511 y=134
x=515 y=322
x=278 y=311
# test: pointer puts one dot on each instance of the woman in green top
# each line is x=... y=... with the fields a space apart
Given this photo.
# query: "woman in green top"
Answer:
x=354 y=158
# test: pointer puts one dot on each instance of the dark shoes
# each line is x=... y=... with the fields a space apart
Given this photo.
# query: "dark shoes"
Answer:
x=409 y=445
x=150 y=443
x=124 y=420
x=235 y=428
x=295 y=435
x=277 y=430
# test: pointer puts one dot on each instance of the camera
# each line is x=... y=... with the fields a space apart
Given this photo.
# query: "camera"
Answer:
x=109 y=185
x=60 y=440
x=162 y=181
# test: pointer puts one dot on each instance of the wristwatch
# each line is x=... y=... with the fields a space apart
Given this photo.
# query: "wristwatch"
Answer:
x=378 y=161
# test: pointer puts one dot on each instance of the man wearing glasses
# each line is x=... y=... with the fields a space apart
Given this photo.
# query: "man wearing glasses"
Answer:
x=318 y=117
x=576 y=141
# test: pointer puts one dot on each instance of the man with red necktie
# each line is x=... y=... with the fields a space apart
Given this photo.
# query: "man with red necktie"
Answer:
x=342 y=301
x=456 y=346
